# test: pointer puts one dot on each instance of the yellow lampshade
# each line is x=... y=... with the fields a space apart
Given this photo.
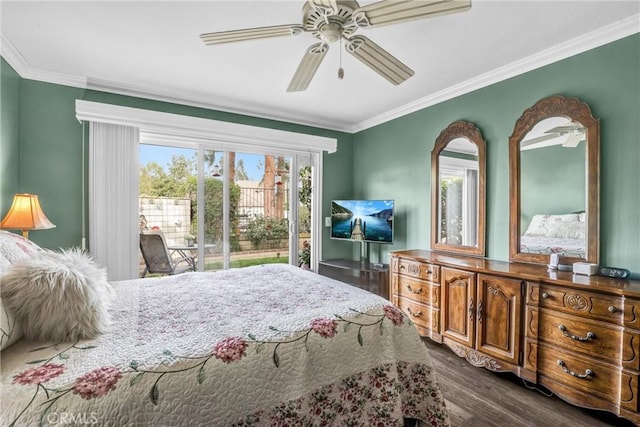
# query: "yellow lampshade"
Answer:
x=26 y=214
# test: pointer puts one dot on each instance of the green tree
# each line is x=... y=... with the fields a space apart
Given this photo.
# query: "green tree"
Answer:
x=182 y=171
x=153 y=180
x=178 y=181
x=304 y=197
x=213 y=220
x=450 y=216
x=241 y=173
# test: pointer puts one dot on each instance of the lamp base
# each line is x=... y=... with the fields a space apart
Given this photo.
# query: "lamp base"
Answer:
x=25 y=234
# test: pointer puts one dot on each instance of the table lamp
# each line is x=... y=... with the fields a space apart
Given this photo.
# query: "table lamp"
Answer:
x=26 y=214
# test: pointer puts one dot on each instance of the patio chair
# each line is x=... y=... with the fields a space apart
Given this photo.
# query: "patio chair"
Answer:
x=157 y=258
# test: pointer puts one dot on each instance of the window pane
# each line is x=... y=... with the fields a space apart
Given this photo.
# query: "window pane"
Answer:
x=167 y=195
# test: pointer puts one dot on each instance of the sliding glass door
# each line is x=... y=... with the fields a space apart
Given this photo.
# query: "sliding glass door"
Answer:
x=240 y=209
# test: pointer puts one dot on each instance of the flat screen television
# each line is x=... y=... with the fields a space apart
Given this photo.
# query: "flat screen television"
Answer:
x=362 y=220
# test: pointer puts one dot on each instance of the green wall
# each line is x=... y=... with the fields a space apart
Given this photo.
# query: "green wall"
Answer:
x=9 y=135
x=392 y=160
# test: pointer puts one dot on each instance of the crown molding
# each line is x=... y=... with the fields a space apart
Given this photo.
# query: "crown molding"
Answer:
x=26 y=71
x=602 y=36
x=226 y=105
x=564 y=50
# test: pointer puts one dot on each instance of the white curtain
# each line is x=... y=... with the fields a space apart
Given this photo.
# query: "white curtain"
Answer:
x=113 y=198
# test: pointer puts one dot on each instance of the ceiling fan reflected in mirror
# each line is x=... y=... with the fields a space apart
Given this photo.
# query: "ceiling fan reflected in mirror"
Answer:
x=568 y=136
x=331 y=21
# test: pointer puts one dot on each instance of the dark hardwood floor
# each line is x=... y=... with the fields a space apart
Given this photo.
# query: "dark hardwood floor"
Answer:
x=477 y=397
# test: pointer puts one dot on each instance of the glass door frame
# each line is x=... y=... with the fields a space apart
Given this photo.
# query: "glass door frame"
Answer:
x=296 y=160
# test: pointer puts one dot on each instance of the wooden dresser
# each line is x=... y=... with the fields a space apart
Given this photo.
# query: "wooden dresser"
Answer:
x=577 y=336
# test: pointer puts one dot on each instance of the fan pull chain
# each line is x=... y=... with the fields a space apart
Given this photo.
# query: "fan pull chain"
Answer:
x=340 y=70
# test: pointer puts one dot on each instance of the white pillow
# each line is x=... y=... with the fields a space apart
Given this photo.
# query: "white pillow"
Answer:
x=540 y=224
x=14 y=247
x=10 y=330
x=58 y=296
x=571 y=230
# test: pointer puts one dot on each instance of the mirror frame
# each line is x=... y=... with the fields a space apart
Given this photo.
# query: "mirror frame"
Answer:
x=578 y=111
x=467 y=130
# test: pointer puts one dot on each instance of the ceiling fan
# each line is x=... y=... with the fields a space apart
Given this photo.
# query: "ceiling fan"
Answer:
x=331 y=21
x=567 y=136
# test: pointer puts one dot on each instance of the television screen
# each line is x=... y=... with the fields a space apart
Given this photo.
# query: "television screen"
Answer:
x=362 y=220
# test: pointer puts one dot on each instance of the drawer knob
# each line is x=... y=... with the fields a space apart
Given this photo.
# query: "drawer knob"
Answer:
x=414 y=314
x=612 y=309
x=587 y=373
x=414 y=291
x=545 y=295
x=590 y=335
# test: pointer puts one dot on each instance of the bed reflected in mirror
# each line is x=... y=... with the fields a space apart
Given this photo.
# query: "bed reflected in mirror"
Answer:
x=458 y=163
x=554 y=183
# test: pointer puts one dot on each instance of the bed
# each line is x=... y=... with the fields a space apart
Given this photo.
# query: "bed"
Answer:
x=263 y=345
x=559 y=234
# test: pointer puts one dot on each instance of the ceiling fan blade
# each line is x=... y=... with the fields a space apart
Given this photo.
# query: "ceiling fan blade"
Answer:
x=528 y=143
x=308 y=67
x=566 y=129
x=395 y=11
x=251 y=33
x=573 y=140
x=378 y=59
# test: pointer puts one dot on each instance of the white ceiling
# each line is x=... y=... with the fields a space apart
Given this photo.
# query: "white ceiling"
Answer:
x=153 y=49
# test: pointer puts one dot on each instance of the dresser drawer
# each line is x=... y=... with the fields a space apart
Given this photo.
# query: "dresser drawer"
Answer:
x=577 y=334
x=417 y=290
x=420 y=315
x=595 y=306
x=418 y=269
x=632 y=313
x=595 y=378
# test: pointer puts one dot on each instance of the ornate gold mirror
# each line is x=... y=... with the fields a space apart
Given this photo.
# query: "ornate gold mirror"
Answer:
x=554 y=183
x=458 y=190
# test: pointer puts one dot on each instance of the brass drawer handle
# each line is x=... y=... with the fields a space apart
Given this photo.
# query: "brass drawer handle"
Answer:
x=545 y=295
x=587 y=373
x=480 y=311
x=413 y=291
x=590 y=335
x=471 y=309
x=416 y=314
x=402 y=267
x=612 y=309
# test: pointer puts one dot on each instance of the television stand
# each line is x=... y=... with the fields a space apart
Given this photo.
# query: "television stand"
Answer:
x=362 y=274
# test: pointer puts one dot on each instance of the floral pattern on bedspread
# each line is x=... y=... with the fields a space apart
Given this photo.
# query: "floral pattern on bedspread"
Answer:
x=553 y=245
x=272 y=365
x=369 y=398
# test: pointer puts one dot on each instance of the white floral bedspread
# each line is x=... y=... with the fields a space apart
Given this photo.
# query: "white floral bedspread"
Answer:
x=553 y=245
x=265 y=345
